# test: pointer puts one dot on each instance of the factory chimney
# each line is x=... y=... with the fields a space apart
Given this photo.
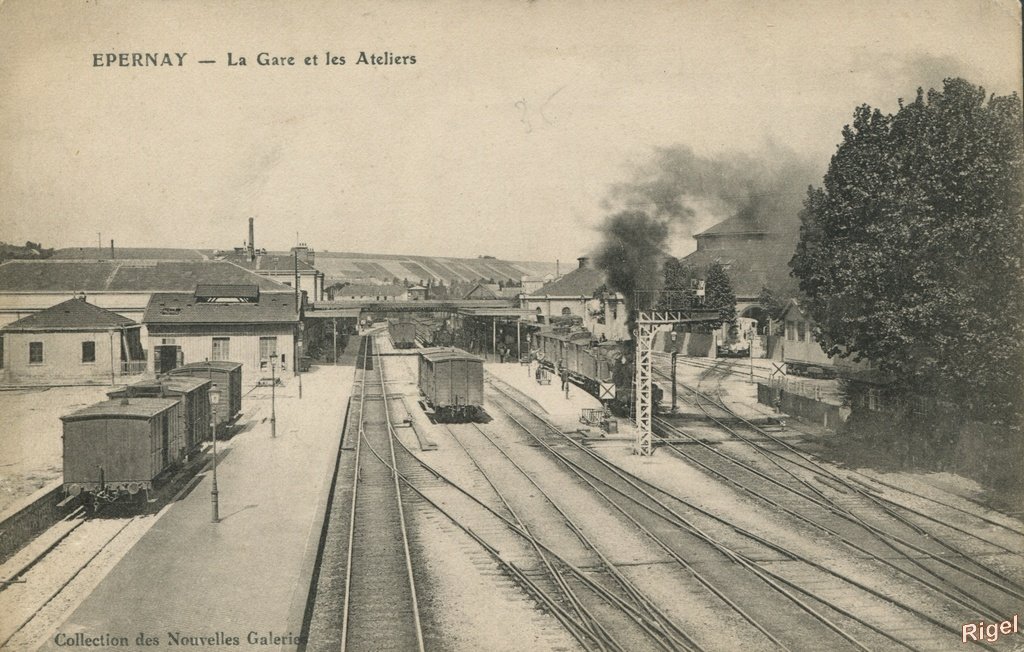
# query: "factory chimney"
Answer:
x=252 y=244
x=111 y=250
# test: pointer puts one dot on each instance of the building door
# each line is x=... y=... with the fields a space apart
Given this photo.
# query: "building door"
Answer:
x=167 y=357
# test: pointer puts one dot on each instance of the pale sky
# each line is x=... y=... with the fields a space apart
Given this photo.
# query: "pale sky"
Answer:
x=502 y=139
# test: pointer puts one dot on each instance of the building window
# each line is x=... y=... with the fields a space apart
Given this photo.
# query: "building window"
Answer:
x=268 y=349
x=790 y=331
x=35 y=353
x=221 y=349
x=566 y=311
x=801 y=330
x=88 y=351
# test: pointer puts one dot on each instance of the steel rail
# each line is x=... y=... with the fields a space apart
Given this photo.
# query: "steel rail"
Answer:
x=599 y=633
x=352 y=511
x=825 y=503
x=682 y=522
x=542 y=596
x=401 y=510
x=1014 y=589
x=852 y=545
x=634 y=592
x=807 y=463
x=967 y=601
x=636 y=613
x=68 y=581
x=763 y=574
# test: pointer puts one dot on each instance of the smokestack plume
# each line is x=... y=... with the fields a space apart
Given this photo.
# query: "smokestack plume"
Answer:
x=693 y=191
x=679 y=193
x=252 y=243
x=631 y=254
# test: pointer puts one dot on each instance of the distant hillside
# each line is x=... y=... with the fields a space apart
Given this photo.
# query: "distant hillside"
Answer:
x=27 y=251
x=353 y=267
x=131 y=253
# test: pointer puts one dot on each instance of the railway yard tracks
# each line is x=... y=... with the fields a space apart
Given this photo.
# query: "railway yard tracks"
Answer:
x=618 y=557
x=48 y=578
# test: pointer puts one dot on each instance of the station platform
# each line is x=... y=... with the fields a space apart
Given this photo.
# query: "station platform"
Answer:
x=251 y=572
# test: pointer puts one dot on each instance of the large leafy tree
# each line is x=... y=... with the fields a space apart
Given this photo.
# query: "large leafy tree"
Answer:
x=910 y=254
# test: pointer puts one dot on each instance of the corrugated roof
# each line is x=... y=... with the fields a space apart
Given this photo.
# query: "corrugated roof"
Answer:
x=125 y=276
x=70 y=315
x=133 y=408
x=166 y=308
x=583 y=281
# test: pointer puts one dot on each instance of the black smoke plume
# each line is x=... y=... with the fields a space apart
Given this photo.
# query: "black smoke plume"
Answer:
x=679 y=192
x=690 y=190
x=631 y=254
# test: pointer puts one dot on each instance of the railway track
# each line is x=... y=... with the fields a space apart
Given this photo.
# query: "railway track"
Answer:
x=609 y=596
x=43 y=584
x=908 y=542
x=859 y=614
x=373 y=605
x=943 y=556
x=601 y=611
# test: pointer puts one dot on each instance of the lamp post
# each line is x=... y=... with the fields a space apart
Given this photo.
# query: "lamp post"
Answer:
x=273 y=396
x=675 y=353
x=214 y=494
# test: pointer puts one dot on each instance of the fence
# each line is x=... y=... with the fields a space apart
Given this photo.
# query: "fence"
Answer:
x=133 y=367
x=808 y=408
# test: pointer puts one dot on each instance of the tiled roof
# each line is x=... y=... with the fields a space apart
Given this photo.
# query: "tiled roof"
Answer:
x=583 y=281
x=71 y=315
x=125 y=276
x=166 y=308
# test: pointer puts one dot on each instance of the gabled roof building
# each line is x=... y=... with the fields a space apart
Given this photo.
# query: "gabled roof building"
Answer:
x=236 y=323
x=71 y=343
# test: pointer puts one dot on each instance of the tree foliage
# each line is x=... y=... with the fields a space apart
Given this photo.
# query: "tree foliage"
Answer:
x=910 y=254
x=718 y=294
x=677 y=290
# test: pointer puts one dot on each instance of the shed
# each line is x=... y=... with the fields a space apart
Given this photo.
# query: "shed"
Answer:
x=228 y=377
x=118 y=445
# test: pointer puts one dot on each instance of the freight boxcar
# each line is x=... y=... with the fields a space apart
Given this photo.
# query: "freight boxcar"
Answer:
x=452 y=383
x=193 y=395
x=119 y=446
x=228 y=377
x=403 y=334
